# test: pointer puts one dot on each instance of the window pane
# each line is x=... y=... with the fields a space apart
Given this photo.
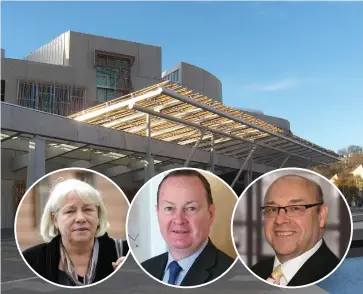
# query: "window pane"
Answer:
x=110 y=95
x=101 y=80
x=101 y=95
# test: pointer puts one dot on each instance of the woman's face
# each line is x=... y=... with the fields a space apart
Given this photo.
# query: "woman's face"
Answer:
x=76 y=220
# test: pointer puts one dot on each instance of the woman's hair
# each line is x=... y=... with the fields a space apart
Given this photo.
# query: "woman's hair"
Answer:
x=58 y=195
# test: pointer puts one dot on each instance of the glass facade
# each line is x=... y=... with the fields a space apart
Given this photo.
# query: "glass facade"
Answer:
x=113 y=75
x=174 y=76
x=55 y=98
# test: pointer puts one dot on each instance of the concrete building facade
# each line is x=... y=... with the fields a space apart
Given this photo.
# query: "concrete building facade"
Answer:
x=196 y=79
x=274 y=120
x=75 y=71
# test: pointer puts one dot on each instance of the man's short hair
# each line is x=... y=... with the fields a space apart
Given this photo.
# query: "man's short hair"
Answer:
x=319 y=194
x=189 y=173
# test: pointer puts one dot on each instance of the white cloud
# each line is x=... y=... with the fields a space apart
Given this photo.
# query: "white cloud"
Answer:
x=281 y=85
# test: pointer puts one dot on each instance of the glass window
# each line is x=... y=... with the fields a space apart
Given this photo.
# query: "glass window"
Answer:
x=110 y=94
x=105 y=78
x=101 y=80
x=101 y=95
x=53 y=98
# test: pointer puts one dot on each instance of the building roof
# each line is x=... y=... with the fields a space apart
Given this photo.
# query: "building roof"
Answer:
x=180 y=115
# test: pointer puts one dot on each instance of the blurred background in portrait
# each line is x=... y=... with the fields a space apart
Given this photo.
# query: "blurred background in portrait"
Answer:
x=248 y=229
x=31 y=208
x=143 y=229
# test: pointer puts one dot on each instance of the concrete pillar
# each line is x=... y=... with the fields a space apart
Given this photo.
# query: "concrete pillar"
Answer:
x=36 y=166
x=7 y=206
x=149 y=169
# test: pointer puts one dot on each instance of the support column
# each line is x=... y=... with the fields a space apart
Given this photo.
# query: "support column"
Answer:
x=250 y=174
x=243 y=166
x=149 y=169
x=36 y=166
x=194 y=148
x=284 y=162
x=246 y=181
x=211 y=159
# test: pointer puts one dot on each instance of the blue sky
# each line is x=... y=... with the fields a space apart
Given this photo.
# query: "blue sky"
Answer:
x=299 y=61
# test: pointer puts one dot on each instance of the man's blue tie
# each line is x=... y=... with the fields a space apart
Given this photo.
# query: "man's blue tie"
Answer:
x=174 y=271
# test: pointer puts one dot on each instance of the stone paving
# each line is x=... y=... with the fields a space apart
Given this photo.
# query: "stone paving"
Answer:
x=18 y=278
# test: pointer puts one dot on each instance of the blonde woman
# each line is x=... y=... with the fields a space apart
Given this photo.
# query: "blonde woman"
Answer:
x=77 y=250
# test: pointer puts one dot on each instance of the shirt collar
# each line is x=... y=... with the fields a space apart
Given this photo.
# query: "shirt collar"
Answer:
x=188 y=261
x=292 y=266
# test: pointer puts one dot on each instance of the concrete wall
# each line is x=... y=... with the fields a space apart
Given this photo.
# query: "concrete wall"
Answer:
x=14 y=69
x=199 y=80
x=7 y=204
x=55 y=52
x=145 y=71
x=47 y=125
x=8 y=179
x=78 y=53
x=276 y=121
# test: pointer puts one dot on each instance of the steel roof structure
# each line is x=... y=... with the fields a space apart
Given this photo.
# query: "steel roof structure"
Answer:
x=170 y=112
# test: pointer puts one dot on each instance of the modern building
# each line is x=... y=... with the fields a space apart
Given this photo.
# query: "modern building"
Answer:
x=100 y=103
x=196 y=79
x=274 y=120
x=205 y=83
x=75 y=71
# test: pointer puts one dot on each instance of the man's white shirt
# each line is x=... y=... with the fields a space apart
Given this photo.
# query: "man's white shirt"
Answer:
x=292 y=266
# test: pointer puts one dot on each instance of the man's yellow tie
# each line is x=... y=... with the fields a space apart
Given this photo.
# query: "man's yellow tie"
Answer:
x=276 y=275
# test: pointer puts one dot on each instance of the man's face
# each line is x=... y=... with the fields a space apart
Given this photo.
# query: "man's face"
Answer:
x=292 y=236
x=184 y=214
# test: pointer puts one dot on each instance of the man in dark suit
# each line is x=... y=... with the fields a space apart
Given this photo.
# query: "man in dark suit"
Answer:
x=185 y=211
x=294 y=220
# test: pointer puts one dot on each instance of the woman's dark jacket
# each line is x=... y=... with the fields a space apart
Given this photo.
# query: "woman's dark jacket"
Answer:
x=44 y=258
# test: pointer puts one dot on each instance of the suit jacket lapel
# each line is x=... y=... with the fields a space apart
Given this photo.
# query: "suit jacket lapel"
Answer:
x=158 y=267
x=198 y=273
x=311 y=269
x=267 y=270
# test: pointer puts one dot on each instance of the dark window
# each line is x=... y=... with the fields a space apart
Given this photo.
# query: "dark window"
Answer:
x=2 y=90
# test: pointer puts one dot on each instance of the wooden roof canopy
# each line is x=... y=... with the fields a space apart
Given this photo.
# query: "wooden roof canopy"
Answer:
x=179 y=115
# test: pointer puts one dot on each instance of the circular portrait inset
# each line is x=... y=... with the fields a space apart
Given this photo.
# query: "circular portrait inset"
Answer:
x=70 y=227
x=292 y=227
x=178 y=227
